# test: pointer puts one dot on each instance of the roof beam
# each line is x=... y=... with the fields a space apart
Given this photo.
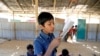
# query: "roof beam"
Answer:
x=86 y=1
x=25 y=2
x=54 y=5
x=33 y=2
x=19 y=5
x=6 y=5
x=71 y=2
x=25 y=12
x=95 y=4
x=33 y=5
x=31 y=12
x=75 y=6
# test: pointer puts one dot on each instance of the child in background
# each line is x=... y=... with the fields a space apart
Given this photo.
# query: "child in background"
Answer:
x=30 y=51
x=65 y=52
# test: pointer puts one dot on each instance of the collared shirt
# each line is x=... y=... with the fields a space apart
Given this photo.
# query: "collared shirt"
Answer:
x=30 y=54
x=42 y=42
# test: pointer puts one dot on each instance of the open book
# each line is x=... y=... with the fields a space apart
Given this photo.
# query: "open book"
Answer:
x=67 y=26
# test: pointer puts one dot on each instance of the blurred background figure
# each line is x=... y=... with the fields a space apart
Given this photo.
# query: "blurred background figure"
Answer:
x=69 y=35
x=65 y=52
x=74 y=33
x=30 y=49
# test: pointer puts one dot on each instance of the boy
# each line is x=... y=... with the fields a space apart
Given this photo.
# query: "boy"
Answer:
x=45 y=44
x=30 y=51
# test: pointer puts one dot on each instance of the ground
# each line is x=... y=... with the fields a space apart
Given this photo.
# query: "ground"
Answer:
x=18 y=48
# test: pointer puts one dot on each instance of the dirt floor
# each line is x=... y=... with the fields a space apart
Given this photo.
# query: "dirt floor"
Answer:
x=18 y=48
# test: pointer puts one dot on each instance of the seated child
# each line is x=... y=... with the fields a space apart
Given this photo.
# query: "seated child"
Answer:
x=65 y=52
x=30 y=51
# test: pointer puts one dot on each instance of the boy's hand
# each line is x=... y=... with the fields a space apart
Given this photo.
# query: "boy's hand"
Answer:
x=55 y=42
x=60 y=33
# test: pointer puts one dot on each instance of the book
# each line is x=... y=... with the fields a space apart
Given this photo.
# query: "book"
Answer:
x=67 y=26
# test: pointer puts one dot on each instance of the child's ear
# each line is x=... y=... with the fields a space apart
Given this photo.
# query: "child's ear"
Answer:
x=41 y=26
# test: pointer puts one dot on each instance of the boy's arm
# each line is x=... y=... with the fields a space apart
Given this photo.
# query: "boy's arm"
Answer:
x=39 y=55
x=52 y=45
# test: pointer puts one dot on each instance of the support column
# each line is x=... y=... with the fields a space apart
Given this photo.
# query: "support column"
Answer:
x=36 y=14
x=14 y=27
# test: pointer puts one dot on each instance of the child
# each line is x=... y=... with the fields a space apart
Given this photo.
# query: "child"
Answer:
x=46 y=43
x=65 y=52
x=30 y=51
x=75 y=30
x=69 y=34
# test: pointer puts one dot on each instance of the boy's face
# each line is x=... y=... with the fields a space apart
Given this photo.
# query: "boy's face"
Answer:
x=48 y=26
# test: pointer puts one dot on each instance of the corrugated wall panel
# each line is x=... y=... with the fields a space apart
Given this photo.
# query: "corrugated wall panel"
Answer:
x=1 y=36
x=98 y=37
x=7 y=25
x=0 y=31
x=6 y=30
x=25 y=26
x=92 y=29
x=0 y=26
x=91 y=35
x=25 y=35
x=25 y=31
x=8 y=34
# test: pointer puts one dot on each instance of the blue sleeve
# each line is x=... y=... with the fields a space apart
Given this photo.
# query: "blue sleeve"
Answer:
x=38 y=49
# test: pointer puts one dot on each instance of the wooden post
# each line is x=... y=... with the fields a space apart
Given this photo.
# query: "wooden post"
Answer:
x=14 y=28
x=36 y=14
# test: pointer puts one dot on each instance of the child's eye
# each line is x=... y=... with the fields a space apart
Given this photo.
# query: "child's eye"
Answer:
x=49 y=24
x=53 y=23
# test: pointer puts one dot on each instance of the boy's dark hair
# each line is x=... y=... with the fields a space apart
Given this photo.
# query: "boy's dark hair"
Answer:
x=43 y=17
x=30 y=46
x=65 y=52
